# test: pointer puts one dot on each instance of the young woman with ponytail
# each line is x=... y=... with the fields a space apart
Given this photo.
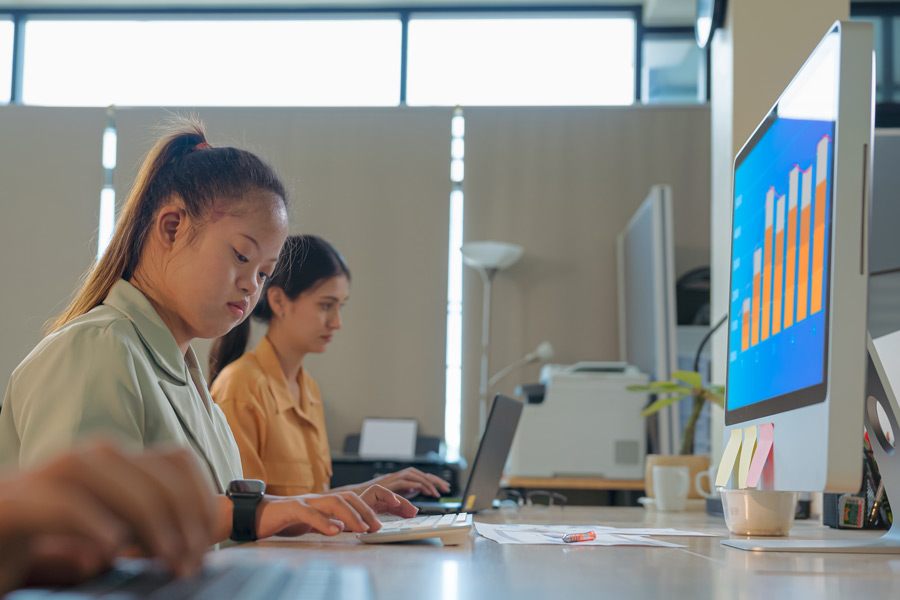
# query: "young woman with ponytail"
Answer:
x=271 y=402
x=196 y=240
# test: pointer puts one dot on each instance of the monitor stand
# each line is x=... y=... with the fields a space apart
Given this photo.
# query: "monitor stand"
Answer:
x=878 y=390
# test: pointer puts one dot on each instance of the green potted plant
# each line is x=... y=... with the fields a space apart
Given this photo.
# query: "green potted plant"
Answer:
x=682 y=385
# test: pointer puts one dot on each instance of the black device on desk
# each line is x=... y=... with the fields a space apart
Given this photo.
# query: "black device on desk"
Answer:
x=350 y=468
x=487 y=468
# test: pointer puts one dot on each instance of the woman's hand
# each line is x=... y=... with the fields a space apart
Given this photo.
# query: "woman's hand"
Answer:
x=410 y=482
x=382 y=500
x=69 y=519
x=329 y=514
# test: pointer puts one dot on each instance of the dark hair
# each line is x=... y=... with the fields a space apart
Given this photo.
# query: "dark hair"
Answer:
x=181 y=164
x=308 y=261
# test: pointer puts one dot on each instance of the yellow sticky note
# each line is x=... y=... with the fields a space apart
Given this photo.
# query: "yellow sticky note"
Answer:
x=747 y=449
x=726 y=466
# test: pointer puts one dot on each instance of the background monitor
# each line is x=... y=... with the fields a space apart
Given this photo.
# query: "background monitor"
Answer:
x=797 y=310
x=647 y=324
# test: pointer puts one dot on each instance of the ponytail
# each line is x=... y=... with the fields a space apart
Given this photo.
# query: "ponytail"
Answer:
x=306 y=261
x=182 y=164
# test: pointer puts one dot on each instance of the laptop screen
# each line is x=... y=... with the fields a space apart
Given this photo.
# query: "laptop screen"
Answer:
x=484 y=480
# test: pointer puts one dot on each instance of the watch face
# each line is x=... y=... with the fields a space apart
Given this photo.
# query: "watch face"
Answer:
x=246 y=486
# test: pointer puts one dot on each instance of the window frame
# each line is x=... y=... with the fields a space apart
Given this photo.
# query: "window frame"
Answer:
x=536 y=12
x=187 y=14
x=678 y=33
x=887 y=113
x=635 y=11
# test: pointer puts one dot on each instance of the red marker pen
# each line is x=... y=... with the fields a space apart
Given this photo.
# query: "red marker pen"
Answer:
x=579 y=537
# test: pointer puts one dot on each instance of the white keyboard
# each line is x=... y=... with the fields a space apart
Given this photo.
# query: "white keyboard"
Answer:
x=452 y=529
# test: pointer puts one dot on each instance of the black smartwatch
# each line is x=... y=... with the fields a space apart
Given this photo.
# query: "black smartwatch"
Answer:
x=245 y=494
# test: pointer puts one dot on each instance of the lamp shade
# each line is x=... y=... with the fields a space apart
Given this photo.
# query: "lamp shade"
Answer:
x=490 y=254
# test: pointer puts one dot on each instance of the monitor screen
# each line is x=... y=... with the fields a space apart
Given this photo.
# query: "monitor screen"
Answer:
x=783 y=186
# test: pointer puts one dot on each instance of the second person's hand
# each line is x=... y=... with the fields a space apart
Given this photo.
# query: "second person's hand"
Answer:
x=329 y=514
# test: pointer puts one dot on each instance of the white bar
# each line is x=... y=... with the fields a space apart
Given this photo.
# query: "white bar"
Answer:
x=792 y=188
x=806 y=189
x=757 y=261
x=770 y=206
x=821 y=158
x=779 y=214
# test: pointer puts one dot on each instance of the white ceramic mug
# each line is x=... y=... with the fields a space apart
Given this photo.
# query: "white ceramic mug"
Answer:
x=671 y=486
x=759 y=512
x=710 y=475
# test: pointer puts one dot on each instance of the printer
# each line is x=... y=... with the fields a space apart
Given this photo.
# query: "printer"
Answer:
x=587 y=425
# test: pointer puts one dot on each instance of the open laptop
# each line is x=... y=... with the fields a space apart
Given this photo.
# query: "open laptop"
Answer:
x=484 y=478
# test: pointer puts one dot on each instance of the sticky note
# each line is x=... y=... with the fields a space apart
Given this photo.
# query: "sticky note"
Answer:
x=726 y=466
x=747 y=449
x=763 y=449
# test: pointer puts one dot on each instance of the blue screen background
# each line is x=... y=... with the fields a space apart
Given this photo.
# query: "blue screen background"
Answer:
x=794 y=358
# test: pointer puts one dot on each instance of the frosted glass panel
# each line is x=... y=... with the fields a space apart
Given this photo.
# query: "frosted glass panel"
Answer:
x=521 y=61
x=213 y=63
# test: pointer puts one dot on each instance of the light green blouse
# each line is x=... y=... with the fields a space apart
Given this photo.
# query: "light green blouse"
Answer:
x=116 y=373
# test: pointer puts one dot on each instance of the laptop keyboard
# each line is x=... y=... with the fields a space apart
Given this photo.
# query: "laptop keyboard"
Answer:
x=452 y=529
x=316 y=580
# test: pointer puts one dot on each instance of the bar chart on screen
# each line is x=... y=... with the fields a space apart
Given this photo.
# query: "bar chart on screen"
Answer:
x=780 y=254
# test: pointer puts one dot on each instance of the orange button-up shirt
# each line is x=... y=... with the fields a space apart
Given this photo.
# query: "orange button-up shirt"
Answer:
x=281 y=438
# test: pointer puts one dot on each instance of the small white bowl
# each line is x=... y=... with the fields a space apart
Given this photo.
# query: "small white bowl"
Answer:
x=759 y=512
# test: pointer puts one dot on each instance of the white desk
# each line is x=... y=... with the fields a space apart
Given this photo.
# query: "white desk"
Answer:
x=704 y=569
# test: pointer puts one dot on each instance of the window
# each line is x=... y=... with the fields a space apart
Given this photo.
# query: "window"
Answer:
x=521 y=61
x=6 y=58
x=310 y=62
x=673 y=69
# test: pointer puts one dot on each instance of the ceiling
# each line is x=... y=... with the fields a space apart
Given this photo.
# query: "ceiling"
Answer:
x=656 y=12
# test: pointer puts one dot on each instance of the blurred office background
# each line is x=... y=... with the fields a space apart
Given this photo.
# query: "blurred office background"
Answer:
x=569 y=114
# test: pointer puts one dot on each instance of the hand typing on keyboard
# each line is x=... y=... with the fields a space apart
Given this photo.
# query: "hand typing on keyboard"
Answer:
x=452 y=529
x=329 y=514
x=76 y=513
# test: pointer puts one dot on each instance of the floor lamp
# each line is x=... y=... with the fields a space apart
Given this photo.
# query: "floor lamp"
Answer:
x=487 y=258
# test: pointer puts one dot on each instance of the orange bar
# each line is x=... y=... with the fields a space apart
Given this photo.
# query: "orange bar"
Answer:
x=790 y=266
x=757 y=265
x=767 y=267
x=803 y=259
x=745 y=325
x=818 y=253
x=778 y=283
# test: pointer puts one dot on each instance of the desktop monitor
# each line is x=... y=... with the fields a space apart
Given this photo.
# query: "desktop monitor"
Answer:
x=799 y=355
x=647 y=324
x=797 y=310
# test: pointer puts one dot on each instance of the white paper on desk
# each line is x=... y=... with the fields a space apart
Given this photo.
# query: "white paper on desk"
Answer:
x=553 y=534
x=650 y=531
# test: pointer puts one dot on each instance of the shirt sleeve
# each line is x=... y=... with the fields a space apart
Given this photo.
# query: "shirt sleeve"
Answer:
x=238 y=398
x=82 y=383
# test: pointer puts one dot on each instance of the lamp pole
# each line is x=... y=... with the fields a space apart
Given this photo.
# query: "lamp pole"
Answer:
x=487 y=275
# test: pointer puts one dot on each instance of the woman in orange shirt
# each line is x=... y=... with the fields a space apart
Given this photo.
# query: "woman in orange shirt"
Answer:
x=272 y=403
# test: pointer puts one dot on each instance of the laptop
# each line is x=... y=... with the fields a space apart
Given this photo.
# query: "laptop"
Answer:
x=484 y=479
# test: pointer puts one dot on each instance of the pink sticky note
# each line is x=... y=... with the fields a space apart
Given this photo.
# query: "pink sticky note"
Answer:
x=763 y=449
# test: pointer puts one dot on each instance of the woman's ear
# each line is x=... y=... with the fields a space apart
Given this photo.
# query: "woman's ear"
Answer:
x=171 y=224
x=277 y=299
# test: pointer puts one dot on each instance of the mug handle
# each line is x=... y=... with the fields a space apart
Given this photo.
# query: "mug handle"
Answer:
x=700 y=491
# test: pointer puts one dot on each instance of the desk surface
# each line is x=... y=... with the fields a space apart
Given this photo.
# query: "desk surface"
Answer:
x=703 y=569
x=574 y=483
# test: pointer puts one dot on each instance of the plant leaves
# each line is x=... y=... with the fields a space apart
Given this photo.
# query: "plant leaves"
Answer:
x=691 y=378
x=661 y=404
